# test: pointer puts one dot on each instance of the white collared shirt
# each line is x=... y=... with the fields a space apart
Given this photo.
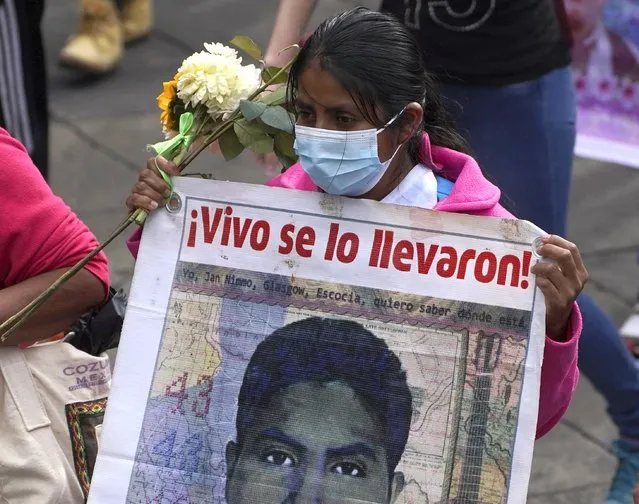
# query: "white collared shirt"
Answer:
x=418 y=189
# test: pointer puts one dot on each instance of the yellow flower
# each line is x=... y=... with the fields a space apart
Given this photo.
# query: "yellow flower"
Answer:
x=165 y=100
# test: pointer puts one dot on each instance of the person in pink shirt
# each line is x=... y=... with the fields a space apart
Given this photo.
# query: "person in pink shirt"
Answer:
x=371 y=124
x=40 y=239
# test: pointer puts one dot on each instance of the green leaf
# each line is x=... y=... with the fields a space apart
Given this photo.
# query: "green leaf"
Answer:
x=278 y=117
x=263 y=146
x=277 y=97
x=283 y=148
x=270 y=72
x=284 y=144
x=251 y=110
x=248 y=132
x=247 y=45
x=253 y=136
x=230 y=146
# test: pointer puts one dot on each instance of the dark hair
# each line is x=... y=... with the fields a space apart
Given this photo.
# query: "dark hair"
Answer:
x=380 y=63
x=327 y=350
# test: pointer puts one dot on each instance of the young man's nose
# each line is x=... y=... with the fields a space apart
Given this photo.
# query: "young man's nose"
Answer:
x=308 y=487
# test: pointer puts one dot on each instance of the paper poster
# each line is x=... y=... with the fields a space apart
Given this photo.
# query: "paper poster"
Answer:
x=291 y=347
x=606 y=75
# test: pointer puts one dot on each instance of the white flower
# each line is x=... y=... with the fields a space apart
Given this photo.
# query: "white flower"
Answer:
x=221 y=50
x=217 y=80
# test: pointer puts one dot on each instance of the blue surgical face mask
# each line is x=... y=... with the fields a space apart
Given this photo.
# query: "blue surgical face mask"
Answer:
x=344 y=163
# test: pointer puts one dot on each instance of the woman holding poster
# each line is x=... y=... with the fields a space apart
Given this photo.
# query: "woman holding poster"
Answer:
x=41 y=393
x=514 y=102
x=371 y=124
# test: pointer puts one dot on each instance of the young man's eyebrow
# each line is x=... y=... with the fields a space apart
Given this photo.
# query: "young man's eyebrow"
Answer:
x=352 y=450
x=273 y=433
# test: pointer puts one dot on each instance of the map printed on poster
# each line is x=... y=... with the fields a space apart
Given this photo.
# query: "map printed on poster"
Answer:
x=282 y=346
x=606 y=75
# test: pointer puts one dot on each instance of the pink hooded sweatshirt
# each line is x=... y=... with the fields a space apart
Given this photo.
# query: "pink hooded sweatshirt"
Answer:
x=474 y=195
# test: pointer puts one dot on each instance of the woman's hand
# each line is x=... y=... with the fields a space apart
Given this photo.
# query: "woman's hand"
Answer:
x=561 y=281
x=151 y=191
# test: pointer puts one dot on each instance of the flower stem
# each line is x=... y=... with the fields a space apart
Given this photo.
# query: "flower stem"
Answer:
x=208 y=140
x=139 y=216
x=13 y=323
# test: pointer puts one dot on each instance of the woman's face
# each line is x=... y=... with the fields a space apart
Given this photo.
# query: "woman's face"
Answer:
x=323 y=103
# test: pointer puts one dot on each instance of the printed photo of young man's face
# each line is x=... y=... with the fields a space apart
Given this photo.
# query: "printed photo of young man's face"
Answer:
x=323 y=416
x=312 y=443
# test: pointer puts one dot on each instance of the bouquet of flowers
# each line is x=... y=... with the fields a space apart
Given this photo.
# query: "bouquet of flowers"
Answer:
x=213 y=97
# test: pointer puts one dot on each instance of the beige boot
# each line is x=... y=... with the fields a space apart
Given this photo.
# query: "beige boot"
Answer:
x=98 y=45
x=137 y=19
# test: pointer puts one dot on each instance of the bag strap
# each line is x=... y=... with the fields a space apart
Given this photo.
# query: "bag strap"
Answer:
x=19 y=381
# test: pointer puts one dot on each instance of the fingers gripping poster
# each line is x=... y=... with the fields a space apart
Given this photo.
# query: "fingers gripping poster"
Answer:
x=290 y=347
x=605 y=53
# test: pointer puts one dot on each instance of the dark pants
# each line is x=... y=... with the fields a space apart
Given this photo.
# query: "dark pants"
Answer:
x=523 y=137
x=23 y=88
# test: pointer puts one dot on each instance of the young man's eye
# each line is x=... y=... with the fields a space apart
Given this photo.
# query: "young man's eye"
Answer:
x=279 y=458
x=348 y=469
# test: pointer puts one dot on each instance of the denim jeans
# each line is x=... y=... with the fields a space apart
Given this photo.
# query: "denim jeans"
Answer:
x=523 y=137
